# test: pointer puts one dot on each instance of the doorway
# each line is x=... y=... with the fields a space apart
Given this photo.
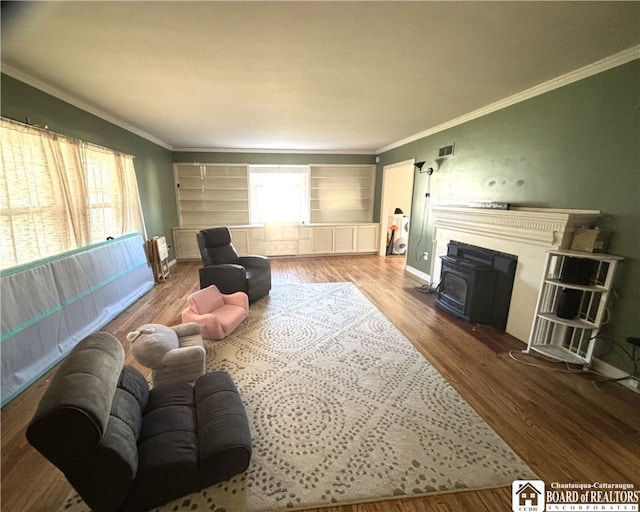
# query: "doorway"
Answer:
x=397 y=192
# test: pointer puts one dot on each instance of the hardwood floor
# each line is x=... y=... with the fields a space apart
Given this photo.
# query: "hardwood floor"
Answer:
x=562 y=424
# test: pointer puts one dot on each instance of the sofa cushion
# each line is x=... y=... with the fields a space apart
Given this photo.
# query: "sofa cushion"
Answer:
x=108 y=473
x=106 y=476
x=132 y=382
x=221 y=255
x=73 y=414
x=167 y=448
x=223 y=429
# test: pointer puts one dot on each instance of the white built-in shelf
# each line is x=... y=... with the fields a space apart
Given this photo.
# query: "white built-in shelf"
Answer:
x=212 y=194
x=572 y=337
x=341 y=193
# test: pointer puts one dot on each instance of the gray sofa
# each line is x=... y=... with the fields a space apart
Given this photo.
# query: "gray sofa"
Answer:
x=125 y=447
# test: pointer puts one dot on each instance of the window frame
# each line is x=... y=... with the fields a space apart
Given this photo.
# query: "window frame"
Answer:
x=302 y=175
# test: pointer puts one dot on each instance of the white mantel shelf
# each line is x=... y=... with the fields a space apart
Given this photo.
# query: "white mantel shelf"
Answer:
x=527 y=233
x=541 y=226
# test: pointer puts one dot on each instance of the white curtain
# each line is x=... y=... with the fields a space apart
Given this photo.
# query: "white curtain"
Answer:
x=112 y=191
x=58 y=194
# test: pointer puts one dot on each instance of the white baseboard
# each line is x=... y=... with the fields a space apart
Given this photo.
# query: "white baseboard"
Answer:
x=612 y=372
x=418 y=275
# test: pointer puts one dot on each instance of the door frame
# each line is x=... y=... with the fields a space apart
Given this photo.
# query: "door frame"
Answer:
x=385 y=200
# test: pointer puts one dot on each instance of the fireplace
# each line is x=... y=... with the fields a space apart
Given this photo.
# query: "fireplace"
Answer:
x=525 y=232
x=476 y=284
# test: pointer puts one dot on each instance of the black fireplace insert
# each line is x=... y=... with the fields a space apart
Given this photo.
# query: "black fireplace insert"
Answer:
x=476 y=284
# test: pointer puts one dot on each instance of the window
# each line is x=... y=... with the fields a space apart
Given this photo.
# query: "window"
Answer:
x=279 y=194
x=99 y=186
x=59 y=193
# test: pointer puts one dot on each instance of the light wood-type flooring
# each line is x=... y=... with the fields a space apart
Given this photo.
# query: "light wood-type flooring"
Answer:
x=564 y=425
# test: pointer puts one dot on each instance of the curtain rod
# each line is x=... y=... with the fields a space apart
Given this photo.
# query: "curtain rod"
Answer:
x=48 y=131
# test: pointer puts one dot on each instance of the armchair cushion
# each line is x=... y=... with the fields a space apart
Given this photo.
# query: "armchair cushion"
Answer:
x=216 y=247
x=218 y=314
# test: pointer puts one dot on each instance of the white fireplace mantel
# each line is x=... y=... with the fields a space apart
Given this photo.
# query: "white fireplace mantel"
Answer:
x=527 y=233
x=541 y=226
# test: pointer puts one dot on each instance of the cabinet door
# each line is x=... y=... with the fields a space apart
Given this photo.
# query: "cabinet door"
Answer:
x=345 y=239
x=305 y=242
x=185 y=244
x=367 y=238
x=323 y=240
x=256 y=241
x=240 y=239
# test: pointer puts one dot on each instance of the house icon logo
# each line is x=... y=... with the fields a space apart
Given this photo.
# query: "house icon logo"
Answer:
x=527 y=496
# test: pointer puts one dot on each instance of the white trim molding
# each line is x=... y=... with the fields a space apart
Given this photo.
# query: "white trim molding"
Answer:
x=52 y=91
x=611 y=372
x=418 y=275
x=605 y=64
x=548 y=227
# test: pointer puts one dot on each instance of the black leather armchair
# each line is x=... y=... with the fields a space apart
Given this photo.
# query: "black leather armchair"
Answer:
x=228 y=271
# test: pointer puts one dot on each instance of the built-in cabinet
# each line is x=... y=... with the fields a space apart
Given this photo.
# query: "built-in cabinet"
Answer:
x=287 y=240
x=340 y=209
x=572 y=305
x=218 y=194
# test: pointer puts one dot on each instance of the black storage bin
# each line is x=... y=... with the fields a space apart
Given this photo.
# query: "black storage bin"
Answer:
x=578 y=271
x=568 y=303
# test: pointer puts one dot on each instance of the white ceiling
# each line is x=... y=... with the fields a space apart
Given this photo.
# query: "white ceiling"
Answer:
x=317 y=76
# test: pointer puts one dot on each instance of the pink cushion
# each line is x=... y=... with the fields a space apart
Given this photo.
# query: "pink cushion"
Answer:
x=206 y=300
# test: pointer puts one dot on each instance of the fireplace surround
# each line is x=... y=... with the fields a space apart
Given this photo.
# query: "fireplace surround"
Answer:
x=527 y=233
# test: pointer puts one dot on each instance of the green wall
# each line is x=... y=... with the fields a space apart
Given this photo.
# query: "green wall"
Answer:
x=152 y=162
x=574 y=147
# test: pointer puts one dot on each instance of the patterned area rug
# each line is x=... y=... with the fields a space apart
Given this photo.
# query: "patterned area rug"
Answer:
x=344 y=409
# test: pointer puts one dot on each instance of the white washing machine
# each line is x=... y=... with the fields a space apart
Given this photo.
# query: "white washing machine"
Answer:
x=398 y=234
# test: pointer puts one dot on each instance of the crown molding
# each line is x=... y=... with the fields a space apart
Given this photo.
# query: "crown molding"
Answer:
x=276 y=151
x=605 y=64
x=29 y=80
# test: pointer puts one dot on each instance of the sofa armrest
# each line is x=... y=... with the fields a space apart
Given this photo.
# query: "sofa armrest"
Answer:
x=224 y=435
x=184 y=355
x=229 y=278
x=239 y=299
x=253 y=260
x=187 y=329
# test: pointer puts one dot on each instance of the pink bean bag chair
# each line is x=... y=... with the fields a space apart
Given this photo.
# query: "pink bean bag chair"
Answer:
x=218 y=314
